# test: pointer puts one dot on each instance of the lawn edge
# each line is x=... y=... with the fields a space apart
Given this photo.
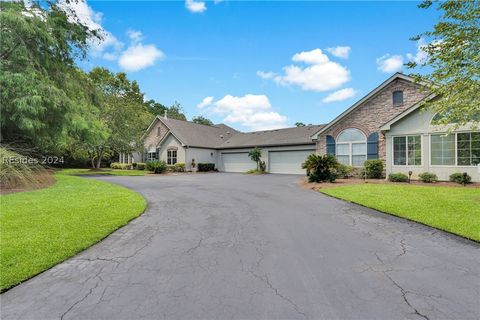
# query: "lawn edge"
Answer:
x=3 y=290
x=451 y=233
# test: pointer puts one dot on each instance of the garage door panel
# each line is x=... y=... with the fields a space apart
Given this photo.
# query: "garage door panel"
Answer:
x=237 y=162
x=288 y=162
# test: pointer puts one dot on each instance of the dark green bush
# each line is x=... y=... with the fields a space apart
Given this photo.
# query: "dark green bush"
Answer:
x=428 y=177
x=134 y=165
x=398 y=177
x=374 y=168
x=156 y=166
x=461 y=178
x=206 y=167
x=140 y=166
x=321 y=168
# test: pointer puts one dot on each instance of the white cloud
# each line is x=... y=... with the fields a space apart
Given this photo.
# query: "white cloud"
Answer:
x=340 y=51
x=420 y=56
x=388 y=63
x=320 y=74
x=266 y=75
x=251 y=111
x=80 y=12
x=139 y=56
x=205 y=102
x=195 y=6
x=135 y=35
x=340 y=95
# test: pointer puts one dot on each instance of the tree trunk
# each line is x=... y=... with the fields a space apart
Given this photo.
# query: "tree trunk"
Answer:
x=99 y=160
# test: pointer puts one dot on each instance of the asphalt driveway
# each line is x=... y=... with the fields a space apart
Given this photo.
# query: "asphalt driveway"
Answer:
x=232 y=246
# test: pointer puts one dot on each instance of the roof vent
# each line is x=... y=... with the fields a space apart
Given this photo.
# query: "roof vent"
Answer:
x=228 y=132
x=221 y=136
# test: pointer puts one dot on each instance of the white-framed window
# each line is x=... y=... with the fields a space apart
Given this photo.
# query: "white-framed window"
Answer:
x=407 y=150
x=455 y=149
x=351 y=145
x=442 y=149
x=152 y=156
x=171 y=157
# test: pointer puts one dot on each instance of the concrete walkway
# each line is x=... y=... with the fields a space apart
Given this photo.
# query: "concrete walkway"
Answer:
x=232 y=246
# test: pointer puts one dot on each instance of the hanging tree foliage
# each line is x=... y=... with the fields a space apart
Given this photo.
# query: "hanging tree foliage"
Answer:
x=452 y=62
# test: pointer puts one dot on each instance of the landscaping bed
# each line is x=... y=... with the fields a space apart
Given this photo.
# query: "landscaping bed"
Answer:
x=106 y=171
x=41 y=228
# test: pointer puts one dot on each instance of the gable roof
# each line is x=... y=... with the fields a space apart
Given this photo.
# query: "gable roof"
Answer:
x=372 y=93
x=386 y=126
x=287 y=136
x=193 y=134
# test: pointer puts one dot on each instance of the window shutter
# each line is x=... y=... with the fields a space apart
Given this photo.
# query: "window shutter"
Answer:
x=372 y=146
x=330 y=145
x=158 y=154
x=145 y=156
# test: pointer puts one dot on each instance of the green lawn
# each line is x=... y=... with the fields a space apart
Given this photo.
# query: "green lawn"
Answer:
x=44 y=227
x=104 y=171
x=453 y=209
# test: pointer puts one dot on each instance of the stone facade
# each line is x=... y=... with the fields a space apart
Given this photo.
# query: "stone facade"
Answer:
x=156 y=133
x=375 y=112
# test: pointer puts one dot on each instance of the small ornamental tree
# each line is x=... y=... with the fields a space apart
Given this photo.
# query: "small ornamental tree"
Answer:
x=256 y=154
x=321 y=168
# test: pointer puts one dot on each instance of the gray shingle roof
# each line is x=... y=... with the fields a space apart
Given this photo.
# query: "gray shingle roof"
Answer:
x=199 y=135
x=288 y=136
x=221 y=136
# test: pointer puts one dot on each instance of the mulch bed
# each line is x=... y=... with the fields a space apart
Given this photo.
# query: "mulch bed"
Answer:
x=343 y=182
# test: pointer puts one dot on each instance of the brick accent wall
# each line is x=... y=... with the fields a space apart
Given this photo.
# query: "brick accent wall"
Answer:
x=152 y=138
x=375 y=112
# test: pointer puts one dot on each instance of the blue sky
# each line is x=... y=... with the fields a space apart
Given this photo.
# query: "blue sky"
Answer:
x=257 y=65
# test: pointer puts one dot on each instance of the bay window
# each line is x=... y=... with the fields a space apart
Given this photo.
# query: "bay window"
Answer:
x=407 y=150
x=351 y=147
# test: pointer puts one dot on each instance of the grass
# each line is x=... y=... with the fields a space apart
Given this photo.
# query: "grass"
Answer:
x=44 y=227
x=453 y=209
x=113 y=172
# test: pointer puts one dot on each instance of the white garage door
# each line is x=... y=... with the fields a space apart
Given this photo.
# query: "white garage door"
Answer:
x=288 y=161
x=237 y=162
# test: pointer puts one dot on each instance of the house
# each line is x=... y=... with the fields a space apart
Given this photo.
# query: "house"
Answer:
x=386 y=124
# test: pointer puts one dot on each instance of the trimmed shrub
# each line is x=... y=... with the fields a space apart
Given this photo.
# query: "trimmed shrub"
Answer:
x=398 y=177
x=461 y=178
x=428 y=177
x=206 y=167
x=344 y=171
x=120 y=166
x=179 y=167
x=321 y=168
x=374 y=168
x=156 y=166
x=134 y=165
x=140 y=166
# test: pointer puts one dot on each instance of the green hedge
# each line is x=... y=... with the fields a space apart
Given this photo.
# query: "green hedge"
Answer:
x=461 y=178
x=397 y=177
x=206 y=167
x=156 y=166
x=428 y=177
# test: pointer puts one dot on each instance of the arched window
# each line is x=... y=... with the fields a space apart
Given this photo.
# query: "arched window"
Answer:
x=397 y=97
x=352 y=147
